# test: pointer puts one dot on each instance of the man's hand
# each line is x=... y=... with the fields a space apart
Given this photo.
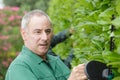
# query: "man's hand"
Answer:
x=71 y=30
x=78 y=73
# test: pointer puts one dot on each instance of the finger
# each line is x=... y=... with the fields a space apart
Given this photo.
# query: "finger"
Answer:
x=83 y=78
x=81 y=65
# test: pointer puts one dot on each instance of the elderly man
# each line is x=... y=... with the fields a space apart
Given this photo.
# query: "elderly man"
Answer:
x=33 y=62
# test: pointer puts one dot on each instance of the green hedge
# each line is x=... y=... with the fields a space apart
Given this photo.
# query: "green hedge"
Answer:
x=92 y=20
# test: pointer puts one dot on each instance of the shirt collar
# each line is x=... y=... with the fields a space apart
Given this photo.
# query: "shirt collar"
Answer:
x=28 y=52
x=25 y=51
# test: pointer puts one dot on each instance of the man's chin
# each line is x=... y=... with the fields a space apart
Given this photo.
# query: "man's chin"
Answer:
x=44 y=51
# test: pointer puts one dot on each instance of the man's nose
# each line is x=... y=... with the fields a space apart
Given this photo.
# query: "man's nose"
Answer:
x=44 y=36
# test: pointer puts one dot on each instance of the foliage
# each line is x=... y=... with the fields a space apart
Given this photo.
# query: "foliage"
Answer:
x=92 y=20
x=10 y=39
x=28 y=4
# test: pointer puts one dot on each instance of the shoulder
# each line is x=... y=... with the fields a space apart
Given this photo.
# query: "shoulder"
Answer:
x=18 y=61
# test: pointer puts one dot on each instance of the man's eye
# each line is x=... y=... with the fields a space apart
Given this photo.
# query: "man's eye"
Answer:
x=48 y=31
x=37 y=32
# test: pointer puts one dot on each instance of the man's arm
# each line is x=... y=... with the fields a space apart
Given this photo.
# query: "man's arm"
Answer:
x=60 y=37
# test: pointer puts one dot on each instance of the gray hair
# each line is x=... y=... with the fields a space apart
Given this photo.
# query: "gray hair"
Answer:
x=26 y=18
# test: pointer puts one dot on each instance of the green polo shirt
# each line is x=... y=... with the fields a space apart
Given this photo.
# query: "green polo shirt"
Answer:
x=29 y=66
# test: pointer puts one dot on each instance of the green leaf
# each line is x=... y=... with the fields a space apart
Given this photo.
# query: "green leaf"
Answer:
x=103 y=22
x=116 y=78
x=119 y=70
x=116 y=22
x=107 y=13
x=118 y=6
x=115 y=64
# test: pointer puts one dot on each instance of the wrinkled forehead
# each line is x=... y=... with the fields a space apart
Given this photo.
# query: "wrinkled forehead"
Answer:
x=43 y=18
x=39 y=23
x=40 y=20
x=27 y=18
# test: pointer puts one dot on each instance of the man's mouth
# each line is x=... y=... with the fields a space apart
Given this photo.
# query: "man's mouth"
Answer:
x=43 y=44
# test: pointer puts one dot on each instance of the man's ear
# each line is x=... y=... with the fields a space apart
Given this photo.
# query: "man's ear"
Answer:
x=23 y=33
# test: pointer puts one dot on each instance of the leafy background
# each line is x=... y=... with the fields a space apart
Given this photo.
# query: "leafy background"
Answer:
x=91 y=19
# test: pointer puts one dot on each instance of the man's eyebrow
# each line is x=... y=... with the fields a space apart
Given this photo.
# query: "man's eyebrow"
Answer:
x=41 y=29
x=49 y=28
x=37 y=30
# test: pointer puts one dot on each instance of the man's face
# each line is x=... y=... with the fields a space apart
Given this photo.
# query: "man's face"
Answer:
x=38 y=35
